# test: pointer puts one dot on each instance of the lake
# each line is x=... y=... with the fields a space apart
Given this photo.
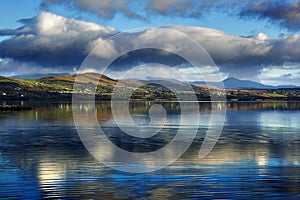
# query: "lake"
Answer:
x=256 y=156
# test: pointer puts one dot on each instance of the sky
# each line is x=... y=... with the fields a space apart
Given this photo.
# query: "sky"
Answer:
x=253 y=40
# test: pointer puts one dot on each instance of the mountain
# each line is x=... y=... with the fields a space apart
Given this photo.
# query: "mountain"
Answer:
x=61 y=88
x=234 y=83
x=286 y=87
x=59 y=81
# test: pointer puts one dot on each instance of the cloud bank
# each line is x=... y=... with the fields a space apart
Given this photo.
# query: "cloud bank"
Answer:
x=54 y=41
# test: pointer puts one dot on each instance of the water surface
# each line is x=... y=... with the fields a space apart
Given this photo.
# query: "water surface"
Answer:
x=257 y=156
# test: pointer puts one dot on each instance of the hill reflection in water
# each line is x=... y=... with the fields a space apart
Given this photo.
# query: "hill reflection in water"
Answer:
x=41 y=155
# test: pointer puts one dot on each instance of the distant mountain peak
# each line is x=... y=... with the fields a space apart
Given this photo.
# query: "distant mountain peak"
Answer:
x=235 y=83
x=232 y=78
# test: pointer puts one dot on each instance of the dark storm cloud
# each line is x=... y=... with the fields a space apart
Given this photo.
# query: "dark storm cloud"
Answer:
x=190 y=8
x=106 y=9
x=139 y=57
x=286 y=13
x=135 y=9
x=283 y=12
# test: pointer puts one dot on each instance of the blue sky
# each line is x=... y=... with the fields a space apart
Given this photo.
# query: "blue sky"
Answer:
x=252 y=25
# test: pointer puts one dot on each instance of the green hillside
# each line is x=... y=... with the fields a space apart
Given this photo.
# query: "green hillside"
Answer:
x=61 y=88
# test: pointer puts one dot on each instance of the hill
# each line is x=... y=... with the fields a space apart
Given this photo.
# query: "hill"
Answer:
x=52 y=87
x=234 y=83
x=61 y=88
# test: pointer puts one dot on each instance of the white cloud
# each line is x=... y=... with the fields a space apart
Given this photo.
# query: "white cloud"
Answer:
x=226 y=48
x=55 y=41
x=280 y=75
x=102 y=48
x=12 y=68
x=49 y=24
x=161 y=72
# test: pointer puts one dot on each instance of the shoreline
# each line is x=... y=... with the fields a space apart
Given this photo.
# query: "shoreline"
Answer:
x=15 y=108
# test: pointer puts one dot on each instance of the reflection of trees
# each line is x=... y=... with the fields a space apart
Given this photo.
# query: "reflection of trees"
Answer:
x=62 y=166
x=263 y=105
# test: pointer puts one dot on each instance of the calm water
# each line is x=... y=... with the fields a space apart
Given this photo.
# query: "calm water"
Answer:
x=257 y=156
